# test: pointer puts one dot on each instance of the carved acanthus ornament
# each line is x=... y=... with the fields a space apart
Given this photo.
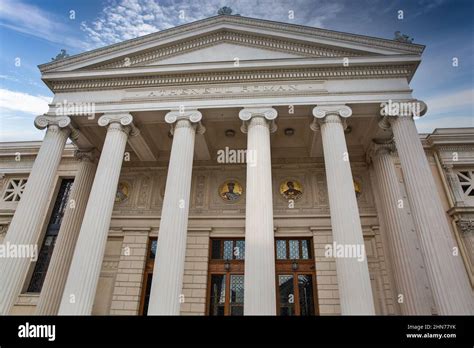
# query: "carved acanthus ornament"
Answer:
x=466 y=225
x=380 y=146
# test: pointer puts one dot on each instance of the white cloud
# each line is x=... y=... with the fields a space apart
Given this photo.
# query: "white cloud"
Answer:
x=448 y=110
x=428 y=125
x=127 y=19
x=9 y=78
x=448 y=102
x=32 y=20
x=22 y=102
x=27 y=134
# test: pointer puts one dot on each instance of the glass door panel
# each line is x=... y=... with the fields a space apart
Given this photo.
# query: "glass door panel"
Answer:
x=287 y=294
x=236 y=295
x=217 y=301
x=305 y=294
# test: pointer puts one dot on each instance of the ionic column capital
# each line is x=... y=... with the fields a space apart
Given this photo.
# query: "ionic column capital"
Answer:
x=185 y=118
x=256 y=115
x=330 y=114
x=321 y=111
x=402 y=110
x=46 y=121
x=121 y=121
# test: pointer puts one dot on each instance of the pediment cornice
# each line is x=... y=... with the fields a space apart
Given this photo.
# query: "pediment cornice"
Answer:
x=225 y=36
x=228 y=22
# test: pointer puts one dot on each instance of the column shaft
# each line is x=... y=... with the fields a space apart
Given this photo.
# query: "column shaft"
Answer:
x=26 y=224
x=259 y=280
x=407 y=272
x=355 y=289
x=168 y=271
x=53 y=286
x=81 y=284
x=451 y=289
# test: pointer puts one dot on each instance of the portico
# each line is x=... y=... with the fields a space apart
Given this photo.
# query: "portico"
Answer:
x=280 y=91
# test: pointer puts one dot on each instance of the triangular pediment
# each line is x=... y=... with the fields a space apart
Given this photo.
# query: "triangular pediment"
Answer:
x=224 y=38
x=224 y=52
x=227 y=46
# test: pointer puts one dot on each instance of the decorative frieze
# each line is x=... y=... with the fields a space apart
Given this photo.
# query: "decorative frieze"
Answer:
x=351 y=72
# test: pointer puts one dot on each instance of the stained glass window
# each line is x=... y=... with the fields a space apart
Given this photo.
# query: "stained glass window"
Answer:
x=239 y=249
x=227 y=249
x=281 y=249
x=236 y=295
x=294 y=249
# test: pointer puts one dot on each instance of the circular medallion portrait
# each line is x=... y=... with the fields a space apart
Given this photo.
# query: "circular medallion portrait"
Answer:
x=230 y=191
x=123 y=191
x=291 y=189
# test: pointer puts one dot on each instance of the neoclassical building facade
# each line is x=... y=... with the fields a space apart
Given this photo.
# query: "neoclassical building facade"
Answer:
x=237 y=166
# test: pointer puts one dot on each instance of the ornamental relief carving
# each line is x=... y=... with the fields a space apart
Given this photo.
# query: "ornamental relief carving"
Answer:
x=249 y=76
x=3 y=230
x=221 y=190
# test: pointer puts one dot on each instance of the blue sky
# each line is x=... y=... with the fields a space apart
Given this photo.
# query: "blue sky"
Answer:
x=32 y=32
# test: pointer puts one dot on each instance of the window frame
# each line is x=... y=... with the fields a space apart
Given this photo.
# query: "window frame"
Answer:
x=305 y=267
x=217 y=267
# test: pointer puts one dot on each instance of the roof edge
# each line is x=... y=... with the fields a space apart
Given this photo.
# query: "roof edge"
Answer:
x=357 y=38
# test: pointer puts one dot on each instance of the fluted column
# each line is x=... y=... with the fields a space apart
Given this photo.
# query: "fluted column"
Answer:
x=26 y=224
x=259 y=280
x=447 y=274
x=403 y=251
x=53 y=286
x=353 y=278
x=167 y=283
x=81 y=284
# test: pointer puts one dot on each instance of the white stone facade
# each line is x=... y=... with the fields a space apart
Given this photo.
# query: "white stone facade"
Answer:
x=307 y=104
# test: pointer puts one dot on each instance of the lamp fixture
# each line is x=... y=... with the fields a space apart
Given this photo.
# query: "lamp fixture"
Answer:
x=294 y=265
x=227 y=265
x=230 y=133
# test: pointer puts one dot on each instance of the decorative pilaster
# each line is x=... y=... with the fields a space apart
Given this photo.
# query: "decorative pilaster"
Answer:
x=53 y=286
x=355 y=289
x=26 y=224
x=259 y=280
x=451 y=289
x=403 y=251
x=81 y=284
x=167 y=283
